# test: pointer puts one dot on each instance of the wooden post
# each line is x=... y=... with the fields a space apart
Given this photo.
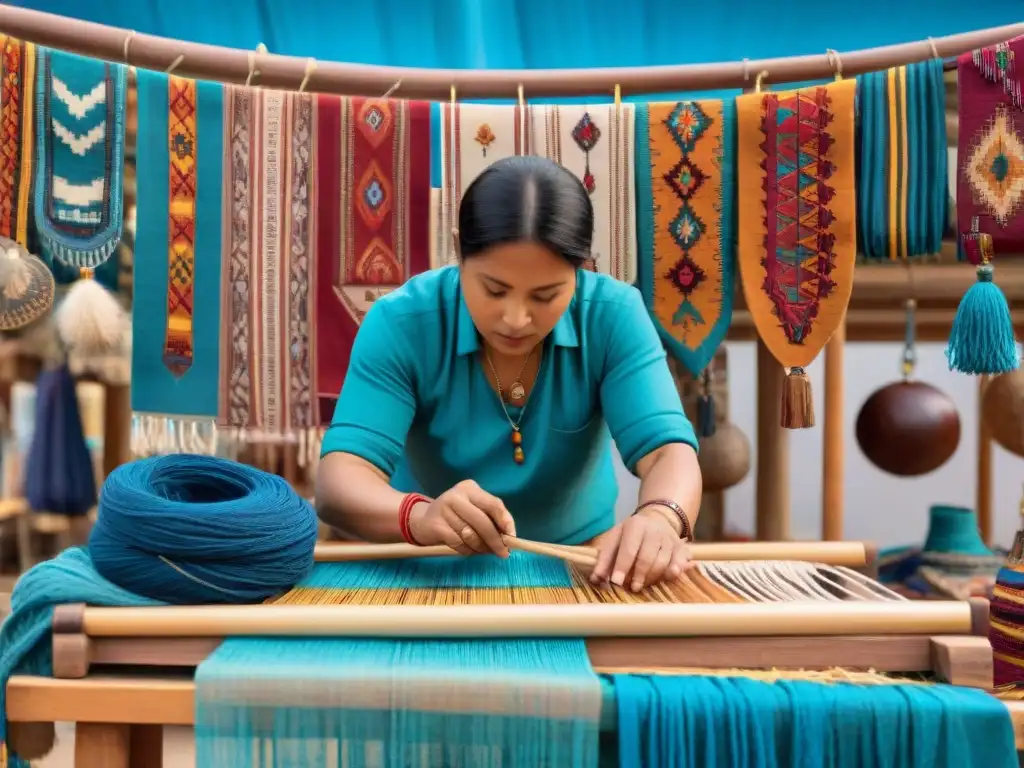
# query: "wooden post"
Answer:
x=983 y=497
x=102 y=745
x=834 y=423
x=772 y=451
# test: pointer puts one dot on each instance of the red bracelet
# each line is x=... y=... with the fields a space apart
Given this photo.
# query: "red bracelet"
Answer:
x=410 y=501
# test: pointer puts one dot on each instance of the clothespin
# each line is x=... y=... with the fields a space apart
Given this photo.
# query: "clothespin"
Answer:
x=618 y=100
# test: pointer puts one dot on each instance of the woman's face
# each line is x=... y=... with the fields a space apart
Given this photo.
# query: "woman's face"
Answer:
x=516 y=293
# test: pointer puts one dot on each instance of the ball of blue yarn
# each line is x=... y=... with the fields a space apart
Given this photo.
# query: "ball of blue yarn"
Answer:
x=192 y=529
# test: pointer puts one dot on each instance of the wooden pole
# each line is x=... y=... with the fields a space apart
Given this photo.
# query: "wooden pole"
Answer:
x=983 y=492
x=772 y=451
x=834 y=427
x=232 y=65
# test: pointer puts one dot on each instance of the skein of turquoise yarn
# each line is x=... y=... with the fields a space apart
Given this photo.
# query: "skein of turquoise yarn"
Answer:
x=193 y=529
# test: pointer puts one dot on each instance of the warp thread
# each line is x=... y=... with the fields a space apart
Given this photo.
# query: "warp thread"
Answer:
x=705 y=722
x=197 y=529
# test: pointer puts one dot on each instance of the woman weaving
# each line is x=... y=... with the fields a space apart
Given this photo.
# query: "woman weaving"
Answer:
x=480 y=399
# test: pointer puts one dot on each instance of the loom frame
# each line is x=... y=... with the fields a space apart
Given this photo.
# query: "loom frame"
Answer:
x=120 y=714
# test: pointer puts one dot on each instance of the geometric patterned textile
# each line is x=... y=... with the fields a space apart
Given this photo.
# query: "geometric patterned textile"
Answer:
x=268 y=280
x=176 y=312
x=990 y=182
x=686 y=186
x=595 y=142
x=80 y=128
x=17 y=100
x=372 y=176
x=797 y=207
x=472 y=137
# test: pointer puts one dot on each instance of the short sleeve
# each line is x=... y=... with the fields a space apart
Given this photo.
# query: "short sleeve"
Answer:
x=639 y=399
x=378 y=399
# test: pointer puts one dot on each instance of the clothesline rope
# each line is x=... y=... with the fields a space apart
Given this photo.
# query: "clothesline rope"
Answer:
x=232 y=65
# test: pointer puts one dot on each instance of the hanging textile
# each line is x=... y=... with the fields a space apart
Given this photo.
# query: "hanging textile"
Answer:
x=59 y=473
x=596 y=142
x=473 y=136
x=17 y=110
x=902 y=196
x=80 y=116
x=267 y=364
x=990 y=151
x=176 y=312
x=797 y=232
x=373 y=183
x=686 y=186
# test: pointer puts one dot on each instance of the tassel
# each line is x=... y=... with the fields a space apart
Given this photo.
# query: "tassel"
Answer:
x=797 y=402
x=982 y=338
x=89 y=320
x=706 y=415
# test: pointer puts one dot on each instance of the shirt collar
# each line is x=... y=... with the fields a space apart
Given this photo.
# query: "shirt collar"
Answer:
x=468 y=341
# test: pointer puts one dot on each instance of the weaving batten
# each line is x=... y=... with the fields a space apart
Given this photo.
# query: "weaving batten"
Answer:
x=289 y=72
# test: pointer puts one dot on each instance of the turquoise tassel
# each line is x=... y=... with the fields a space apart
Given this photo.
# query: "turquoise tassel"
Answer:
x=982 y=339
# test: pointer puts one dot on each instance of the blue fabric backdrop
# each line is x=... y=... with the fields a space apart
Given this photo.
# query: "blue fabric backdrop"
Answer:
x=541 y=33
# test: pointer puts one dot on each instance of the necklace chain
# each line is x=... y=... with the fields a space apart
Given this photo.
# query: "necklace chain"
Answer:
x=517 y=438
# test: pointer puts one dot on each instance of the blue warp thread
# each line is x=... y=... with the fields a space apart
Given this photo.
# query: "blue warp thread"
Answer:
x=199 y=529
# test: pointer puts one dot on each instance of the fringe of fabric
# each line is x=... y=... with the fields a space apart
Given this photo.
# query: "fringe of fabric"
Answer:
x=158 y=434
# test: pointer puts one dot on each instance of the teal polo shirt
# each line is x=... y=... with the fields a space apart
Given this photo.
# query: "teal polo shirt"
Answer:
x=417 y=404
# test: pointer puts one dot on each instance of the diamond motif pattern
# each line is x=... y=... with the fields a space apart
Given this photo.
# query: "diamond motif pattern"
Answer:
x=686 y=228
x=995 y=168
x=687 y=124
x=685 y=179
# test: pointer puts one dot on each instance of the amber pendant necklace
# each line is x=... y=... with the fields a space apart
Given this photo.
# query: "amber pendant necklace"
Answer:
x=516 y=393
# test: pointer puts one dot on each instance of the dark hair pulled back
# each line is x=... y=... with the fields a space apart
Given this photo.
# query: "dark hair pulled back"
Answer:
x=527 y=198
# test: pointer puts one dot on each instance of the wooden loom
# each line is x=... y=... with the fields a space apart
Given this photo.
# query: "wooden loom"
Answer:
x=121 y=674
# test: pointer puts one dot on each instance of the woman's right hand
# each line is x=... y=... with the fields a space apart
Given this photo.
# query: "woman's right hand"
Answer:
x=466 y=518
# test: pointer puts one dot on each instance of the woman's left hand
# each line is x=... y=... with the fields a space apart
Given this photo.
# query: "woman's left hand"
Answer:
x=644 y=549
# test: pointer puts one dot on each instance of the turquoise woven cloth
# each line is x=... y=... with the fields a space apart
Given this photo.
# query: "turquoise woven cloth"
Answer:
x=720 y=722
x=156 y=389
x=902 y=167
x=80 y=129
x=319 y=702
x=25 y=637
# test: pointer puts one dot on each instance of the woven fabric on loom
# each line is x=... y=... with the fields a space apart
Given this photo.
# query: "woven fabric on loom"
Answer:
x=80 y=115
x=595 y=142
x=990 y=151
x=268 y=279
x=176 y=313
x=471 y=137
x=797 y=211
x=17 y=132
x=373 y=185
x=521 y=703
x=686 y=185
x=902 y=182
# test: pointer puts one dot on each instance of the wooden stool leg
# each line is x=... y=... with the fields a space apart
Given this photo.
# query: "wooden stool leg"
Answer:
x=102 y=745
x=147 y=746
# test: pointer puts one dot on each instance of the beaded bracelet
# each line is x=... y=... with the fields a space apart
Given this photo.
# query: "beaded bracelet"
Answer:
x=686 y=531
x=410 y=501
